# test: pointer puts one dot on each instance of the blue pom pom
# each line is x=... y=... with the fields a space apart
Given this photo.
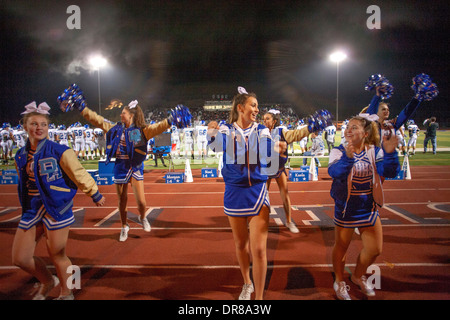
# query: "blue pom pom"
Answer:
x=180 y=116
x=71 y=98
x=319 y=120
x=424 y=88
x=378 y=80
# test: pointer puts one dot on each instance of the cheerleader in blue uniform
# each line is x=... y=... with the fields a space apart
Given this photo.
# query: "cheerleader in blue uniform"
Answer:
x=272 y=121
x=424 y=90
x=249 y=157
x=127 y=142
x=49 y=176
x=356 y=169
x=246 y=200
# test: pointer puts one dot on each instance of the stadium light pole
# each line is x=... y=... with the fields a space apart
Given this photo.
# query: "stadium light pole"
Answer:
x=97 y=62
x=337 y=57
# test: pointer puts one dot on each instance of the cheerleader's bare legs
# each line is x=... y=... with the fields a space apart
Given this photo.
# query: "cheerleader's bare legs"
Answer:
x=139 y=195
x=138 y=191
x=24 y=245
x=250 y=237
x=122 y=193
x=343 y=237
x=372 y=240
x=282 y=183
x=56 y=247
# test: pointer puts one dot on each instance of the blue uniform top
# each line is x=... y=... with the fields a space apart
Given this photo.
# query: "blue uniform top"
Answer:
x=402 y=117
x=249 y=156
x=356 y=179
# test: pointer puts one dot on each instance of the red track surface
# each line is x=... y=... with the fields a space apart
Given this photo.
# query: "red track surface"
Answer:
x=189 y=254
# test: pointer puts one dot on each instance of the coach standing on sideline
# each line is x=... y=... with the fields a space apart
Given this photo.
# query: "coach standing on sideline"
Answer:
x=431 y=127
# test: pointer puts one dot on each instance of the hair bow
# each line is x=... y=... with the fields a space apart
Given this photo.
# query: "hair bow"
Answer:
x=133 y=104
x=369 y=117
x=42 y=108
x=242 y=90
x=274 y=111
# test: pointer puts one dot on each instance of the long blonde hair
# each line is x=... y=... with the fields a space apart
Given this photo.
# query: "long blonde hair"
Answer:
x=238 y=99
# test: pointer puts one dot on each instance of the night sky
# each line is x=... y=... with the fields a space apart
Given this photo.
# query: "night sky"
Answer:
x=167 y=52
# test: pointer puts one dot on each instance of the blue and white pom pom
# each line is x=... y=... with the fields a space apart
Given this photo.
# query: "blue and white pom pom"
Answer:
x=319 y=120
x=378 y=80
x=424 y=88
x=71 y=98
x=180 y=116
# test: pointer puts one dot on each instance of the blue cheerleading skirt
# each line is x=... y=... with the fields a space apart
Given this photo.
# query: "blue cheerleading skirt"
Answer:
x=123 y=171
x=38 y=214
x=245 y=201
x=351 y=218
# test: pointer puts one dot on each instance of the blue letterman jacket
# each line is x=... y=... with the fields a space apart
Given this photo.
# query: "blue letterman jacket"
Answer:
x=136 y=143
x=136 y=138
x=58 y=175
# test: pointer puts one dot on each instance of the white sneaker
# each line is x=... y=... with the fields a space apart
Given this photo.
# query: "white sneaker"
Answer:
x=365 y=287
x=292 y=227
x=145 y=224
x=341 y=290
x=247 y=290
x=45 y=290
x=124 y=233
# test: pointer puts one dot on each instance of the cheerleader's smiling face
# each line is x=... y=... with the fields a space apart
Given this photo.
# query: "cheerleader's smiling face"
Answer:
x=268 y=120
x=355 y=132
x=249 y=110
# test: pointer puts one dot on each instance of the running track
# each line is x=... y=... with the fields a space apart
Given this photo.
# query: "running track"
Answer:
x=189 y=254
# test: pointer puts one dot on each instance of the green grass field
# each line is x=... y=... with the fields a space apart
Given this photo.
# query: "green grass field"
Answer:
x=442 y=158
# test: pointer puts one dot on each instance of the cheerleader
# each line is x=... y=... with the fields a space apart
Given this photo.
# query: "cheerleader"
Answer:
x=424 y=90
x=272 y=121
x=356 y=169
x=49 y=175
x=246 y=200
x=249 y=157
x=127 y=142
